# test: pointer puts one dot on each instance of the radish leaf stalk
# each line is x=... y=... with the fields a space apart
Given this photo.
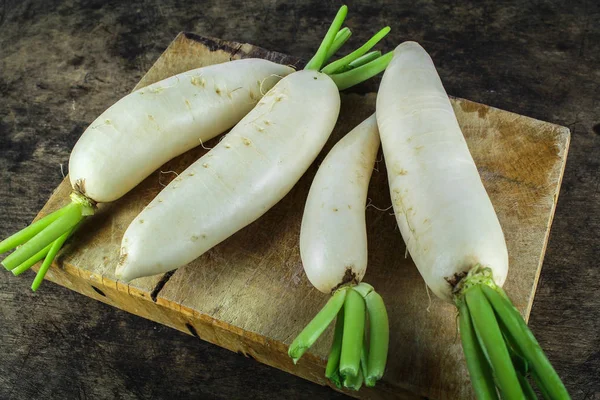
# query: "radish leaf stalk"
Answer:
x=479 y=369
x=367 y=58
x=525 y=342
x=340 y=38
x=333 y=360
x=69 y=216
x=322 y=52
x=379 y=338
x=354 y=328
x=486 y=303
x=317 y=326
x=362 y=50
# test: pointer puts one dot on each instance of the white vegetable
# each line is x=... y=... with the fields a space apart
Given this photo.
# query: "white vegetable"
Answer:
x=249 y=171
x=333 y=237
x=451 y=230
x=152 y=125
x=444 y=213
x=333 y=246
x=136 y=136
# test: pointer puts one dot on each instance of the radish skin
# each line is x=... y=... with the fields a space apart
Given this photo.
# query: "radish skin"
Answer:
x=443 y=211
x=136 y=136
x=248 y=172
x=333 y=235
x=152 y=125
x=333 y=248
x=451 y=230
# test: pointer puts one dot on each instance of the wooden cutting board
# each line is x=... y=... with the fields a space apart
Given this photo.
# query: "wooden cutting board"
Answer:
x=250 y=295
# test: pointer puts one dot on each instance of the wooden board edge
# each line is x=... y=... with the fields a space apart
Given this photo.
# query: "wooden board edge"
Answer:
x=249 y=344
x=566 y=132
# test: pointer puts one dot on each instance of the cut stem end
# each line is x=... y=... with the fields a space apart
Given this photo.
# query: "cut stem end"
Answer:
x=44 y=238
x=352 y=359
x=499 y=348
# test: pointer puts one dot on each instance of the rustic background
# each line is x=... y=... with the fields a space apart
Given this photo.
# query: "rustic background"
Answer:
x=63 y=62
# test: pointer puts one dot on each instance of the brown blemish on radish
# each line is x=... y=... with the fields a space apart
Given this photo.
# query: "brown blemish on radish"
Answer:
x=456 y=278
x=349 y=278
x=197 y=81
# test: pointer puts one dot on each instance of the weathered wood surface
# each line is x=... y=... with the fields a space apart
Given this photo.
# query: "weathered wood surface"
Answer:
x=55 y=77
x=250 y=294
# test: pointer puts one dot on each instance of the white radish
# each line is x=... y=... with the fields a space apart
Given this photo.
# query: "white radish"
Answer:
x=236 y=182
x=333 y=237
x=152 y=125
x=138 y=134
x=249 y=171
x=444 y=213
x=451 y=230
x=333 y=247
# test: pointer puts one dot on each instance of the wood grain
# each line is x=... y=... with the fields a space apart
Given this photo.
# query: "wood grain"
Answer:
x=250 y=295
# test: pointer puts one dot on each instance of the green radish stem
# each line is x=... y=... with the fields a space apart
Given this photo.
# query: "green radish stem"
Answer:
x=479 y=369
x=497 y=341
x=317 y=326
x=54 y=248
x=342 y=37
x=362 y=70
x=351 y=354
x=490 y=337
x=37 y=257
x=25 y=234
x=40 y=255
x=354 y=382
x=362 y=50
x=367 y=58
x=45 y=237
x=526 y=387
x=364 y=356
x=379 y=331
x=320 y=56
x=333 y=360
x=354 y=76
x=354 y=328
x=526 y=343
x=537 y=381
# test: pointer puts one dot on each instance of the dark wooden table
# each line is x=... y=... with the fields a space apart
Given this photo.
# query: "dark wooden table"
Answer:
x=63 y=62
